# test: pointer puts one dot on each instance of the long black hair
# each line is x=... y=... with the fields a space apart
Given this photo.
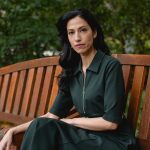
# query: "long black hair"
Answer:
x=69 y=58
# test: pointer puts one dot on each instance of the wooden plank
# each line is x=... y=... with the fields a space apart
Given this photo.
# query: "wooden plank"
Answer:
x=132 y=59
x=27 y=93
x=136 y=92
x=144 y=144
x=17 y=139
x=1 y=82
x=13 y=119
x=55 y=86
x=3 y=95
x=46 y=91
x=41 y=62
x=126 y=74
x=144 y=129
x=36 y=92
x=73 y=113
x=11 y=92
x=19 y=92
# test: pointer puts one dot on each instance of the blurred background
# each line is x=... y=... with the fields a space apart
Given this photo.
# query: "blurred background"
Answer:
x=27 y=27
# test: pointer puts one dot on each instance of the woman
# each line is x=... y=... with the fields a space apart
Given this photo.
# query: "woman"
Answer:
x=92 y=81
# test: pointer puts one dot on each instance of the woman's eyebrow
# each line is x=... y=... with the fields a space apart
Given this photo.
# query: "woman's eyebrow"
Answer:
x=78 y=28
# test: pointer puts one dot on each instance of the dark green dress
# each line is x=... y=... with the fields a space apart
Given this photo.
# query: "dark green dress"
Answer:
x=100 y=94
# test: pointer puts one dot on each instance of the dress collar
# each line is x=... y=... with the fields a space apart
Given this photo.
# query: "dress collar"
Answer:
x=95 y=64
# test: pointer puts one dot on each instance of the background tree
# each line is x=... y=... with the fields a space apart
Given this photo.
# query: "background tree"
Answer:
x=27 y=28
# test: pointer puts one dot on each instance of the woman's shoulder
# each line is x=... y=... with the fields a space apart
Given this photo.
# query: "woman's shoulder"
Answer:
x=109 y=60
x=111 y=65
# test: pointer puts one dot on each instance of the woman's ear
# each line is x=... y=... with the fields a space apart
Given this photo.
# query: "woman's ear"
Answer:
x=94 y=34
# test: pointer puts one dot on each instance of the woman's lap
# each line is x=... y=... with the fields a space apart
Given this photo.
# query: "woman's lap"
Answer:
x=45 y=133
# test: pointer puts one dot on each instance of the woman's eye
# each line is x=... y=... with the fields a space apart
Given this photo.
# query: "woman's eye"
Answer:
x=70 y=33
x=83 y=30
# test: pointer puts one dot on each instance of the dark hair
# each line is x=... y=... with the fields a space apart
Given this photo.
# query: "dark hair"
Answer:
x=68 y=57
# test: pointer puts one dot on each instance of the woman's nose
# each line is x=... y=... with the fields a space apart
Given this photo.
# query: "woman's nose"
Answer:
x=77 y=37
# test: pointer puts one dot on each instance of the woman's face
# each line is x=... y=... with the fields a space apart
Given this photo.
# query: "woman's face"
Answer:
x=80 y=35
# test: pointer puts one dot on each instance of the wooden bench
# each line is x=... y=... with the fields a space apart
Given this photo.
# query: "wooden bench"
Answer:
x=28 y=89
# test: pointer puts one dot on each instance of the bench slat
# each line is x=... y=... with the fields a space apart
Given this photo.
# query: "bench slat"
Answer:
x=54 y=87
x=4 y=92
x=136 y=92
x=126 y=74
x=145 y=120
x=19 y=92
x=27 y=93
x=11 y=93
x=36 y=92
x=46 y=91
x=1 y=81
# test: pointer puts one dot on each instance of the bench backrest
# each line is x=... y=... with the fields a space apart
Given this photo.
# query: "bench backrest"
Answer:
x=28 y=89
x=136 y=70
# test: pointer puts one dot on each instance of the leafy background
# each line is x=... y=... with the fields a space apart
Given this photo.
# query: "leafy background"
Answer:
x=27 y=28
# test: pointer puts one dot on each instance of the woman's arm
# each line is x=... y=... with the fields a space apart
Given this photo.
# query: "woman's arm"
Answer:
x=95 y=124
x=23 y=127
x=6 y=142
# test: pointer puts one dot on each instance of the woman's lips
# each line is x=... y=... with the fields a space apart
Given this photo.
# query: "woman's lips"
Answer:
x=79 y=45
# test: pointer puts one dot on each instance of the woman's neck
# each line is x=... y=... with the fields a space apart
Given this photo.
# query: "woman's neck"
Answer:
x=87 y=59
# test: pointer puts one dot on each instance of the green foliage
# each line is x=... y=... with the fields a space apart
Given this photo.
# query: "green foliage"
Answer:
x=27 y=28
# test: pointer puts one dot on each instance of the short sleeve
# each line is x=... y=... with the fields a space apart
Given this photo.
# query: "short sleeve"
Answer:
x=62 y=104
x=114 y=96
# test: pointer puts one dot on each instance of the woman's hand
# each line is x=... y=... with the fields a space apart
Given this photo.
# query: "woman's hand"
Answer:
x=6 y=142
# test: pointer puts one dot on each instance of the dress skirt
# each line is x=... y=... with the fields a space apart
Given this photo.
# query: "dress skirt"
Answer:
x=52 y=134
